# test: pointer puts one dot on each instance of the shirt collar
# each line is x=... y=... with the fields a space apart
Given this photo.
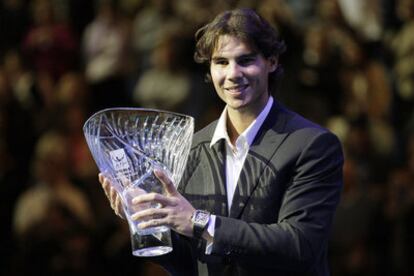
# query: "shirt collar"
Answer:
x=249 y=134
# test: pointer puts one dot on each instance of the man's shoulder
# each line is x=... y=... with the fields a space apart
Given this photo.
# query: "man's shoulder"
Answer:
x=301 y=131
x=295 y=122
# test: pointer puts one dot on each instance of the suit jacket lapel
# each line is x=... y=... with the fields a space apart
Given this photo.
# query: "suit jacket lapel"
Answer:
x=217 y=165
x=264 y=146
x=203 y=182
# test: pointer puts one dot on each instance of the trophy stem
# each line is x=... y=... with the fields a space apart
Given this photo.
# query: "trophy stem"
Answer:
x=152 y=242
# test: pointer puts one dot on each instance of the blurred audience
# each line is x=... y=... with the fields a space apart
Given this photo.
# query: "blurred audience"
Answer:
x=14 y=14
x=349 y=66
x=52 y=218
x=148 y=29
x=170 y=82
x=401 y=45
x=105 y=48
x=49 y=45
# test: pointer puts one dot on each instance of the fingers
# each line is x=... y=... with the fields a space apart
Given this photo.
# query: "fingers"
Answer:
x=118 y=207
x=154 y=198
x=153 y=223
x=116 y=203
x=106 y=185
x=153 y=217
x=150 y=213
x=112 y=195
x=166 y=182
x=140 y=197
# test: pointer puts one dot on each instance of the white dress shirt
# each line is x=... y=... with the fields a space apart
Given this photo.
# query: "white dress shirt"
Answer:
x=235 y=155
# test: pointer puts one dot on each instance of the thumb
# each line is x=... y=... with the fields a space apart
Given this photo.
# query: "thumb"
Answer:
x=166 y=181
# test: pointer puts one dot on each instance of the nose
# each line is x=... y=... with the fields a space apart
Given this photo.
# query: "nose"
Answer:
x=234 y=71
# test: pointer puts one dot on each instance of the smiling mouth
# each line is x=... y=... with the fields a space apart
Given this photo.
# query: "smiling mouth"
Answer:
x=236 y=88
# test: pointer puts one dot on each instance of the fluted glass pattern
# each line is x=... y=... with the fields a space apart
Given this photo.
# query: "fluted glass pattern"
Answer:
x=127 y=145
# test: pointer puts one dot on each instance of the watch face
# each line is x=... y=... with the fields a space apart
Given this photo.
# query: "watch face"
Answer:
x=201 y=217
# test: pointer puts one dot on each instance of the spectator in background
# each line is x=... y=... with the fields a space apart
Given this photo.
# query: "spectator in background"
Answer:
x=318 y=74
x=51 y=182
x=13 y=22
x=148 y=30
x=197 y=13
x=34 y=91
x=170 y=83
x=167 y=83
x=350 y=252
x=16 y=142
x=16 y=128
x=71 y=89
x=52 y=218
x=50 y=46
x=72 y=97
x=72 y=103
x=367 y=93
x=401 y=45
x=21 y=79
x=364 y=17
x=106 y=54
x=303 y=11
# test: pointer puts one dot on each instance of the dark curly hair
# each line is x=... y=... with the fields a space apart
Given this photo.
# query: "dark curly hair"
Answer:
x=244 y=24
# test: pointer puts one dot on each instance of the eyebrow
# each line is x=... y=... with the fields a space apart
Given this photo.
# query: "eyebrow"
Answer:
x=249 y=55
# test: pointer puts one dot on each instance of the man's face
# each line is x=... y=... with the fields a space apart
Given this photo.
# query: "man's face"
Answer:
x=240 y=75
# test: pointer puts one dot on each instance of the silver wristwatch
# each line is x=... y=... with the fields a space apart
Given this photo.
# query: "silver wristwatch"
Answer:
x=200 y=220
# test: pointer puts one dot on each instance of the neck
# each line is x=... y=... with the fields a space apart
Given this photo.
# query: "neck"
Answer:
x=236 y=124
x=238 y=120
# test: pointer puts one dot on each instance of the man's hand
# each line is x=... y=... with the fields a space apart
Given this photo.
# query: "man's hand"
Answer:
x=175 y=211
x=112 y=195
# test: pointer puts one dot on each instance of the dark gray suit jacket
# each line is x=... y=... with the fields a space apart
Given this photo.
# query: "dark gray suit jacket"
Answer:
x=283 y=206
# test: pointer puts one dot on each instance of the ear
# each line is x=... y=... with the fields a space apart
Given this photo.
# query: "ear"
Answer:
x=273 y=63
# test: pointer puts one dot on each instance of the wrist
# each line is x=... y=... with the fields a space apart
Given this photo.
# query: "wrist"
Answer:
x=200 y=220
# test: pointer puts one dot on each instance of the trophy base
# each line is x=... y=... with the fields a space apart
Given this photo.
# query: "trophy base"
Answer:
x=152 y=252
x=150 y=245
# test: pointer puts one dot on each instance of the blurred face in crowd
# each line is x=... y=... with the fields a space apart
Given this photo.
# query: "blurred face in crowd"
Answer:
x=405 y=9
x=43 y=13
x=240 y=74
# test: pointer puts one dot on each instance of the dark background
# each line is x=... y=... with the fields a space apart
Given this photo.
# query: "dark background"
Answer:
x=349 y=66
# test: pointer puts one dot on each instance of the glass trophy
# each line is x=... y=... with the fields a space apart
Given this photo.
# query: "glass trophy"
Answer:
x=128 y=144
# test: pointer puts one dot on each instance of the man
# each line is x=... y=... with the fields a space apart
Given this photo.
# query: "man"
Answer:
x=266 y=180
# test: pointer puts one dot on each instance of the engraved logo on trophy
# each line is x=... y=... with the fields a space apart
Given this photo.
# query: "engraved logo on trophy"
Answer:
x=119 y=160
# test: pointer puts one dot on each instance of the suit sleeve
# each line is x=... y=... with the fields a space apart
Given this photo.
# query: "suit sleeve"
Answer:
x=299 y=238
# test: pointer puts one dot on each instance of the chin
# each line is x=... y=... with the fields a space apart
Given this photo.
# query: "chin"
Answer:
x=238 y=107
x=236 y=103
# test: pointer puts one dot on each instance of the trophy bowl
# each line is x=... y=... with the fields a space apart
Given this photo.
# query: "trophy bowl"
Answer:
x=128 y=144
